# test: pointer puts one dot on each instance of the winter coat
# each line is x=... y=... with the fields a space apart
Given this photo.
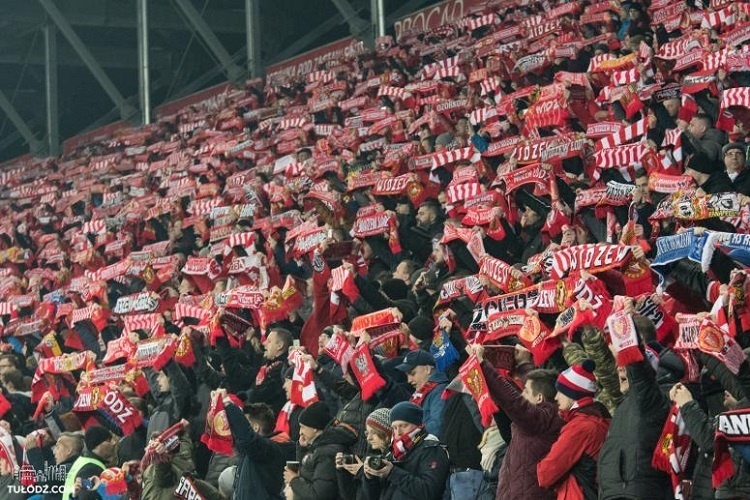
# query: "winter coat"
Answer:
x=161 y=478
x=433 y=405
x=570 y=465
x=421 y=475
x=624 y=467
x=534 y=429
x=260 y=469
x=172 y=405
x=317 y=478
x=595 y=347
x=270 y=390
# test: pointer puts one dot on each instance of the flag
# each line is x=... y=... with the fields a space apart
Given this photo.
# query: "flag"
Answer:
x=471 y=380
x=442 y=350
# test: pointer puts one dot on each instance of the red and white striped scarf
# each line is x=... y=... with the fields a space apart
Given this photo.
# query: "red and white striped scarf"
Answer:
x=624 y=135
x=303 y=391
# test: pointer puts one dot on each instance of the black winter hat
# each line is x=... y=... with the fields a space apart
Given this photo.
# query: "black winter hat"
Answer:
x=316 y=416
x=406 y=411
x=422 y=327
x=96 y=435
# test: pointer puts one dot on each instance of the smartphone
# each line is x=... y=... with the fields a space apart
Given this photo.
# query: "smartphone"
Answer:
x=295 y=343
x=87 y=484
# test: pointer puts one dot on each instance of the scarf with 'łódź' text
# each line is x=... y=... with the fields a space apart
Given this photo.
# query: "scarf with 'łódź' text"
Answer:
x=403 y=444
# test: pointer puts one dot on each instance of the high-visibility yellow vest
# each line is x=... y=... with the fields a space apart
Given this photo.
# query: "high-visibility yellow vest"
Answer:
x=70 y=480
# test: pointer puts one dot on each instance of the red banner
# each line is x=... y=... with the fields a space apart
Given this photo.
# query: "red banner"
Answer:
x=200 y=99
x=308 y=62
x=434 y=16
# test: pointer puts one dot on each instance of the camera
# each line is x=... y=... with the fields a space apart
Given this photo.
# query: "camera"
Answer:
x=347 y=459
x=375 y=462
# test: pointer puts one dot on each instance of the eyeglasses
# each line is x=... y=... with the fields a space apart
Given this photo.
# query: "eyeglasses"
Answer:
x=734 y=152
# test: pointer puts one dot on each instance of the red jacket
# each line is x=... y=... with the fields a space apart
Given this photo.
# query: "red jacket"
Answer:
x=582 y=435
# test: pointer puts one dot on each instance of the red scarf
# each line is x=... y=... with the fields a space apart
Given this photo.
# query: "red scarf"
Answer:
x=418 y=397
x=282 y=421
x=403 y=444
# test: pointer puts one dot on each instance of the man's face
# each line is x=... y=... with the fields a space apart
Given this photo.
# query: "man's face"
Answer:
x=642 y=184
x=734 y=161
x=273 y=346
x=622 y=375
x=401 y=428
x=163 y=382
x=672 y=106
x=426 y=146
x=401 y=272
x=425 y=216
x=62 y=450
x=564 y=403
x=529 y=395
x=306 y=434
x=6 y=365
x=529 y=218
x=418 y=376
x=697 y=128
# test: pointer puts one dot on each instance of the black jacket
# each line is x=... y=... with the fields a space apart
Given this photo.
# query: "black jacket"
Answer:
x=741 y=183
x=259 y=472
x=271 y=388
x=317 y=479
x=625 y=459
x=421 y=475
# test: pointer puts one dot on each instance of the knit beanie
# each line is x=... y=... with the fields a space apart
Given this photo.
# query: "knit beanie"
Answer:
x=422 y=327
x=578 y=381
x=315 y=416
x=96 y=435
x=406 y=411
x=380 y=419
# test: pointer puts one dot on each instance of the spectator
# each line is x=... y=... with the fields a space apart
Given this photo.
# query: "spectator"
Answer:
x=570 y=465
x=734 y=155
x=535 y=427
x=429 y=384
x=318 y=445
x=259 y=472
x=419 y=465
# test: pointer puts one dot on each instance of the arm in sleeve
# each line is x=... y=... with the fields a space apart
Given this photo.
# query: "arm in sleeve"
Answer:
x=644 y=386
x=324 y=483
x=424 y=483
x=524 y=414
x=563 y=455
x=246 y=440
x=699 y=426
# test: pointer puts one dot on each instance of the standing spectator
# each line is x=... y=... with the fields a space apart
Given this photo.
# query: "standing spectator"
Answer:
x=625 y=469
x=269 y=383
x=429 y=385
x=259 y=472
x=570 y=465
x=535 y=426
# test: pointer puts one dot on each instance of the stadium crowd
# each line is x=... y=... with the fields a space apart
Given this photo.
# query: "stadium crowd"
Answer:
x=503 y=258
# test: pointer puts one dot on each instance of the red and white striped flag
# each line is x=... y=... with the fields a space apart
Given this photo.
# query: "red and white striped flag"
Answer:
x=390 y=91
x=478 y=22
x=625 y=77
x=726 y=16
x=451 y=156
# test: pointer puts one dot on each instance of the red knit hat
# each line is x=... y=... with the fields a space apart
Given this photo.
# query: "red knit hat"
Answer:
x=578 y=381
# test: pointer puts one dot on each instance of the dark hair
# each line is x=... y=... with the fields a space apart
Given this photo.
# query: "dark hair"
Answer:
x=284 y=335
x=15 y=377
x=645 y=328
x=261 y=414
x=11 y=357
x=707 y=121
x=543 y=382
x=140 y=405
